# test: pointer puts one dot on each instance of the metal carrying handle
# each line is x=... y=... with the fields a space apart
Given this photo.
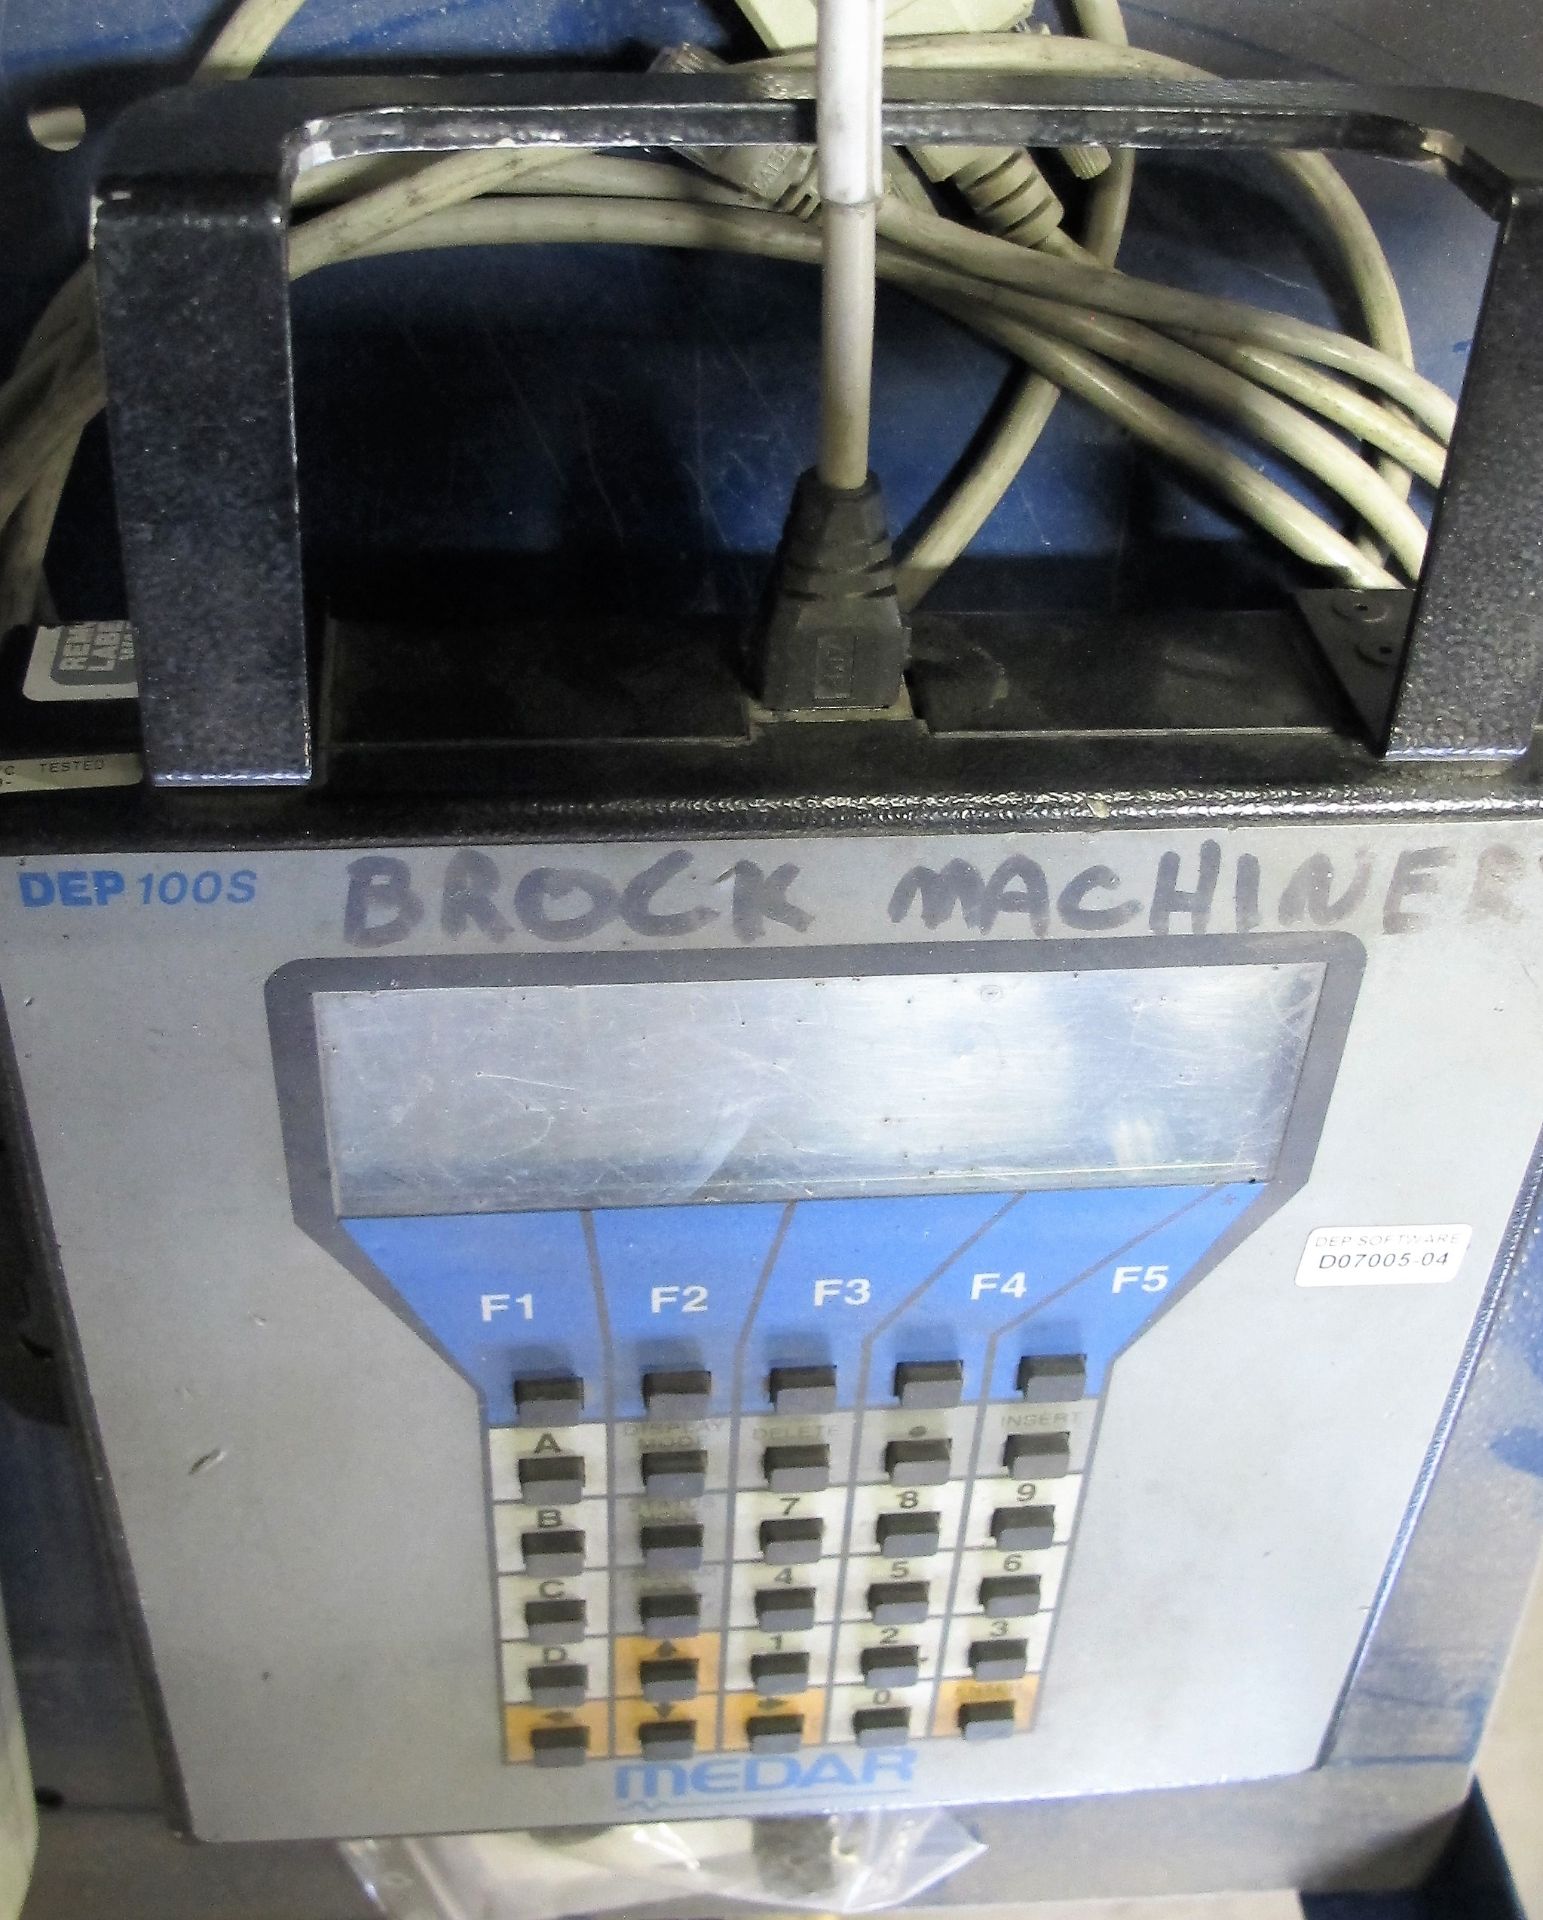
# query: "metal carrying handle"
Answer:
x=189 y=241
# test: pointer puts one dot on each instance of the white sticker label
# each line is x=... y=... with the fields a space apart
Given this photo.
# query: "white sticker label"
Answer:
x=70 y=770
x=1382 y=1256
x=86 y=660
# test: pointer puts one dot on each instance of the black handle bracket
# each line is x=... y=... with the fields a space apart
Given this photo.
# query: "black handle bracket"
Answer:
x=190 y=239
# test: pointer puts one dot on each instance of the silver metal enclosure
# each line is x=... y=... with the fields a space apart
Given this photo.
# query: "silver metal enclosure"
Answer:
x=298 y=1469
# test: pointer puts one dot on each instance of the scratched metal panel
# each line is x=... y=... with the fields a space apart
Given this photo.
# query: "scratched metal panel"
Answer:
x=262 y=1423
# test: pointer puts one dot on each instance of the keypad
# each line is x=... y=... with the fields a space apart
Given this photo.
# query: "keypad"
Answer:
x=789 y=1571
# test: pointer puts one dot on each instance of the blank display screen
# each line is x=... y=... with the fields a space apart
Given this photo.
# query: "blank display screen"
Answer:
x=509 y=1098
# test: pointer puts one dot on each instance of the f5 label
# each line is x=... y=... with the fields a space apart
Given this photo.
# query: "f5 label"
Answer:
x=1382 y=1256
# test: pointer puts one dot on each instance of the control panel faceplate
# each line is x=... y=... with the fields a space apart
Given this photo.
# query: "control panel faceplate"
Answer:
x=771 y=1476
x=345 y=1169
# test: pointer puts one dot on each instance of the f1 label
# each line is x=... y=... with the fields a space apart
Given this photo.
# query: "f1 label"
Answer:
x=1382 y=1256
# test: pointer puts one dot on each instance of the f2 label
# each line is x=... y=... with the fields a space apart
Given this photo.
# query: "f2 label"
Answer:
x=1382 y=1256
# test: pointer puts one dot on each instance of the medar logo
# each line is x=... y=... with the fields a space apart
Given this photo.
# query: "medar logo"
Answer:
x=650 y=1784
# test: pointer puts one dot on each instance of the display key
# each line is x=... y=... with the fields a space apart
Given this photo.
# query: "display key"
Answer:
x=881 y=1726
x=670 y=1616
x=566 y=1685
x=667 y=1680
x=674 y=1473
x=555 y=1553
x=548 y=1400
x=924 y=1384
x=797 y=1469
x=802 y=1389
x=668 y=1739
x=551 y=1479
x=917 y=1463
x=891 y=1666
x=779 y=1673
x=785 y=1609
x=553 y=1623
x=1038 y=1456
x=1023 y=1529
x=916 y=1534
x=986 y=1719
x=775 y=1732
x=671 y=1546
x=559 y=1746
x=893 y=1603
x=791 y=1543
x=999 y=1659
x=1053 y=1376
x=1007 y=1596
x=677 y=1393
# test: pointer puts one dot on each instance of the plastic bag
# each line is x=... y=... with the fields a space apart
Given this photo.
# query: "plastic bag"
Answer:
x=838 y=1863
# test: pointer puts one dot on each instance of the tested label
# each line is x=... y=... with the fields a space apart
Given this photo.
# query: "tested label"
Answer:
x=70 y=770
x=1381 y=1256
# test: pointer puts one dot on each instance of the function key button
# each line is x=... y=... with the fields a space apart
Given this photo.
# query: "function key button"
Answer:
x=1008 y=1595
x=551 y=1479
x=677 y=1393
x=775 y=1732
x=674 y=1473
x=1038 y=1456
x=1053 y=1376
x=891 y=1666
x=791 y=1543
x=664 y=1681
x=922 y=1384
x=671 y=1546
x=1023 y=1529
x=909 y=1533
x=558 y=1686
x=802 y=1389
x=917 y=1463
x=897 y=1603
x=779 y=1673
x=670 y=1616
x=881 y=1726
x=986 y=1719
x=553 y=1623
x=548 y=1400
x=553 y=1552
x=785 y=1609
x=668 y=1739
x=797 y=1469
x=559 y=1746
x=999 y=1659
